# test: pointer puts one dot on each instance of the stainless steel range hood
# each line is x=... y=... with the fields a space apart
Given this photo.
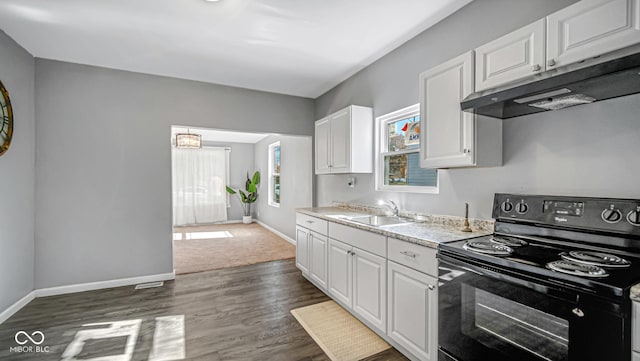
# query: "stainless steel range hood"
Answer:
x=608 y=76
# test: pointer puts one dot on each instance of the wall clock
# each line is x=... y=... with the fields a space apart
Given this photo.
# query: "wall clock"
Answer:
x=6 y=120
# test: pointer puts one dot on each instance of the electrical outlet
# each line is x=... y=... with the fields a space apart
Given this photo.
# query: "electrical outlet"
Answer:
x=351 y=182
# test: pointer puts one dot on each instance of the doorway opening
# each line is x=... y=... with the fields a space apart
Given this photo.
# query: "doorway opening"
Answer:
x=234 y=175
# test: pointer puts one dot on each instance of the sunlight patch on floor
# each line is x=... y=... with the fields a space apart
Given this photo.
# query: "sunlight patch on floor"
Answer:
x=201 y=235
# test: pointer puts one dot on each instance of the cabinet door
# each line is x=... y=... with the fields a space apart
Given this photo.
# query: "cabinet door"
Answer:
x=341 y=142
x=517 y=55
x=413 y=311
x=370 y=288
x=302 y=249
x=322 y=145
x=318 y=259
x=447 y=139
x=590 y=28
x=340 y=274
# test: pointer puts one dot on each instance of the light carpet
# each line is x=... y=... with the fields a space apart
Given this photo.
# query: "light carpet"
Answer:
x=205 y=248
x=340 y=335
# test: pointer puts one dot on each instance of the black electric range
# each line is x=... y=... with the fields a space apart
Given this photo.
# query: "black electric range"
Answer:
x=551 y=283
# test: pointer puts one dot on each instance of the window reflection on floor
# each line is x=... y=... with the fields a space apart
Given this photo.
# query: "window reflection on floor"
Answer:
x=97 y=341
x=201 y=235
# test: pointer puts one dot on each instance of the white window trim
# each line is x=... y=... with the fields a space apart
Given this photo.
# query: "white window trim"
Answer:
x=381 y=143
x=271 y=174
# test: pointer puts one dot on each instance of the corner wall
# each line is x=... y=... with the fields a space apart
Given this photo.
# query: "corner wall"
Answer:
x=296 y=177
x=17 y=177
x=104 y=163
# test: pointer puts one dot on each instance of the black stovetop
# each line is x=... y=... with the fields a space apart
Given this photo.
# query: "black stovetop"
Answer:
x=533 y=258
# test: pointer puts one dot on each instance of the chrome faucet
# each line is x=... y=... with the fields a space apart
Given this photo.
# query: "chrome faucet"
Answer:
x=393 y=206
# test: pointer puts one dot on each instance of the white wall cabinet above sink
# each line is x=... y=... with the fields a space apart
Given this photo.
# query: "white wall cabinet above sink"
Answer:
x=344 y=141
x=451 y=137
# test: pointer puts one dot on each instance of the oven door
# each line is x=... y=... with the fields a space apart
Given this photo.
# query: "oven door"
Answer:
x=492 y=314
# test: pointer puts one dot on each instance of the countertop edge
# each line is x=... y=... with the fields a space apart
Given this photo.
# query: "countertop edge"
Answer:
x=387 y=232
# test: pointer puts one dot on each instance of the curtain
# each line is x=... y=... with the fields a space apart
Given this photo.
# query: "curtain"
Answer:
x=199 y=180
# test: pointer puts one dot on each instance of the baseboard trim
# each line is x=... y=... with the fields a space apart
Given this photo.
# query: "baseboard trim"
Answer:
x=17 y=306
x=91 y=286
x=282 y=235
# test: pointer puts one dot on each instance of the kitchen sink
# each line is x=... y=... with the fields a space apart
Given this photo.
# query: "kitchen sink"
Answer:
x=379 y=221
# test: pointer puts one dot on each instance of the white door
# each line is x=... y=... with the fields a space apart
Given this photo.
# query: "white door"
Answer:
x=340 y=274
x=413 y=311
x=318 y=259
x=322 y=145
x=447 y=139
x=370 y=288
x=590 y=28
x=341 y=141
x=302 y=249
x=517 y=55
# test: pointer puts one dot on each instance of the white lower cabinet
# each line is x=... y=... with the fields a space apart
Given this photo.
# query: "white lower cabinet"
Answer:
x=318 y=259
x=357 y=279
x=340 y=272
x=413 y=311
x=635 y=357
x=302 y=249
x=370 y=287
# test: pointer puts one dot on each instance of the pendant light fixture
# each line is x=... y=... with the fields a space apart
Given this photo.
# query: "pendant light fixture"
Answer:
x=188 y=140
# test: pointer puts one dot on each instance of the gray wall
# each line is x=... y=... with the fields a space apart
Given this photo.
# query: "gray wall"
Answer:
x=589 y=150
x=241 y=161
x=296 y=177
x=103 y=163
x=17 y=177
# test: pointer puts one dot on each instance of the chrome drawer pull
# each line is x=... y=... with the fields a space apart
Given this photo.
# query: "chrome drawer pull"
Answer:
x=431 y=287
x=409 y=254
x=310 y=222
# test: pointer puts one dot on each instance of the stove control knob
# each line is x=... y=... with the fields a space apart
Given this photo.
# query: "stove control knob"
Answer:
x=522 y=208
x=507 y=206
x=633 y=217
x=611 y=215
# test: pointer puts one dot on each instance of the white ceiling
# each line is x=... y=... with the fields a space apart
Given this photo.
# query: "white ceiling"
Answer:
x=214 y=135
x=297 y=47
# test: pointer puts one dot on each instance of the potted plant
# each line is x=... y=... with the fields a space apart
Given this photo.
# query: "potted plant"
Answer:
x=248 y=196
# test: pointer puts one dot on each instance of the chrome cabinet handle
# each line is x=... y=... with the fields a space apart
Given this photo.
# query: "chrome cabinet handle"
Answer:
x=537 y=67
x=310 y=222
x=409 y=254
x=466 y=150
x=578 y=312
x=431 y=287
x=551 y=62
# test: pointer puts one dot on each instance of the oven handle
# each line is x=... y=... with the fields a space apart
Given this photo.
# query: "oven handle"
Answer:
x=508 y=276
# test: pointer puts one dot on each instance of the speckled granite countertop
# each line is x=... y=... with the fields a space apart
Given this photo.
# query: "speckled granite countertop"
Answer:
x=635 y=293
x=429 y=233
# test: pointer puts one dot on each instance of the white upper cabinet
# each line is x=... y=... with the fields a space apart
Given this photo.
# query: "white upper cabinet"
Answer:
x=451 y=137
x=344 y=141
x=515 y=56
x=590 y=28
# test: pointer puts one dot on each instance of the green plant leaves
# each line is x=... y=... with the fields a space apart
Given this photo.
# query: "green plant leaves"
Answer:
x=230 y=190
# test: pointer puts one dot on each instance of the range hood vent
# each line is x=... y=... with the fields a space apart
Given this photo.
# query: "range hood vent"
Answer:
x=609 y=76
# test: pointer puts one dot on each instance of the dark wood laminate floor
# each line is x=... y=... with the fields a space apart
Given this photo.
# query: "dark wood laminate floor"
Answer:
x=240 y=313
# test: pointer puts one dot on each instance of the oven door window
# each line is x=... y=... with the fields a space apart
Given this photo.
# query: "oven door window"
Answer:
x=502 y=324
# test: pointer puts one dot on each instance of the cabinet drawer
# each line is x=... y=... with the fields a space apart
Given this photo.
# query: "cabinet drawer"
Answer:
x=418 y=257
x=635 y=328
x=368 y=241
x=312 y=223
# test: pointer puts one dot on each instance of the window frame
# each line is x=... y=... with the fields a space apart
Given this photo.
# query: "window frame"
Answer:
x=381 y=151
x=272 y=174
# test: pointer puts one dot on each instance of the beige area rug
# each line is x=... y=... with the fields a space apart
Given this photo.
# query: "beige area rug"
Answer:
x=340 y=335
x=205 y=248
